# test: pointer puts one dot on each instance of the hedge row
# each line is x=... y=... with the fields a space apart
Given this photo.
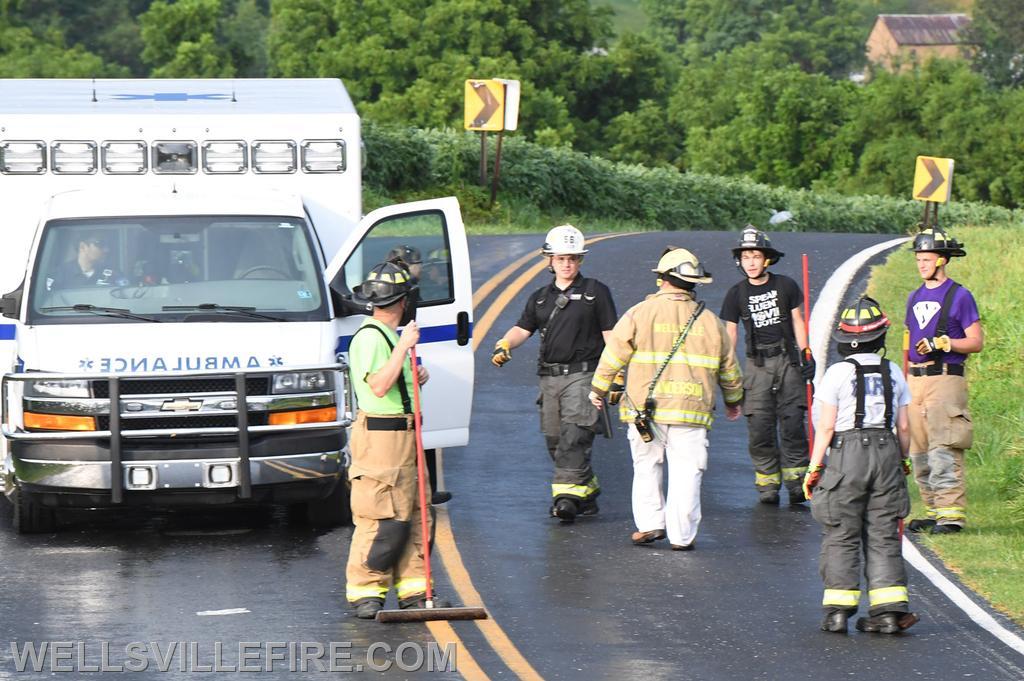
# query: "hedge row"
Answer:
x=559 y=179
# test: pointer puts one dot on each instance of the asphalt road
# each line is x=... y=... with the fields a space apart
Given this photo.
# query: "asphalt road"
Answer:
x=581 y=602
x=575 y=601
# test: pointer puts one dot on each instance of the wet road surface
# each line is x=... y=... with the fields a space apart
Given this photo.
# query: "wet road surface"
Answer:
x=575 y=601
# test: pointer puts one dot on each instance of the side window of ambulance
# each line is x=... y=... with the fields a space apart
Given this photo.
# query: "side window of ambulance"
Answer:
x=421 y=241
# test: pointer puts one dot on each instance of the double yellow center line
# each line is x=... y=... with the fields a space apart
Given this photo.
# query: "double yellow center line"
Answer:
x=444 y=540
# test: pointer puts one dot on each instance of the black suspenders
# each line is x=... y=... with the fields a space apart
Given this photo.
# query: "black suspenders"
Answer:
x=942 y=327
x=887 y=391
x=402 y=390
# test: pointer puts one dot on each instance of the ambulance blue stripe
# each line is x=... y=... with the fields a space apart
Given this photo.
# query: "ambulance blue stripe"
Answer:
x=7 y=331
x=428 y=334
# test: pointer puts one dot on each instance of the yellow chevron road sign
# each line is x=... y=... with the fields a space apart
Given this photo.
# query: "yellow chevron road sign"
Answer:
x=933 y=179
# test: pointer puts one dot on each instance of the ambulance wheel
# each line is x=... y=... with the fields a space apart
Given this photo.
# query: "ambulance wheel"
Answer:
x=331 y=511
x=29 y=516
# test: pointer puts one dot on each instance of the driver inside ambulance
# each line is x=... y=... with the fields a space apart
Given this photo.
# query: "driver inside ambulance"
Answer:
x=90 y=266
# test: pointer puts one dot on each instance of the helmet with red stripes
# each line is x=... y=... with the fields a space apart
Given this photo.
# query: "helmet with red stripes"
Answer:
x=862 y=322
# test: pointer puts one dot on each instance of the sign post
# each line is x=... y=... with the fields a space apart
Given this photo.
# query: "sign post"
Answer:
x=491 y=105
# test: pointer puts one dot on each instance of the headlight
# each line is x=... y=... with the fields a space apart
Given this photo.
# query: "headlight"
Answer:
x=57 y=388
x=301 y=382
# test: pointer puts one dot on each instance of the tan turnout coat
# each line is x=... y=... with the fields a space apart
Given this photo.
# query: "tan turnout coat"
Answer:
x=642 y=339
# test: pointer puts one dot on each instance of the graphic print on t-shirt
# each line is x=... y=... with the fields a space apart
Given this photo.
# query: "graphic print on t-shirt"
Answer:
x=764 y=309
x=925 y=311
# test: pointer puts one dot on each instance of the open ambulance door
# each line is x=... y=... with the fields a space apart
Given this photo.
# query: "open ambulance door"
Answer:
x=432 y=232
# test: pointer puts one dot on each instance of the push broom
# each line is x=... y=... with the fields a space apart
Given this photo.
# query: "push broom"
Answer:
x=429 y=612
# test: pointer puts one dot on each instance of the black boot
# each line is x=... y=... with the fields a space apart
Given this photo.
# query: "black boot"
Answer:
x=946 y=529
x=589 y=507
x=887 y=622
x=921 y=524
x=440 y=498
x=835 y=621
x=367 y=608
x=565 y=510
x=769 y=497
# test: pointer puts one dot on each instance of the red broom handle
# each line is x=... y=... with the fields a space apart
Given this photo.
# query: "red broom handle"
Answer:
x=421 y=470
x=807 y=340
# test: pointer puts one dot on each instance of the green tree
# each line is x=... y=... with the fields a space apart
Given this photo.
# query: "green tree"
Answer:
x=998 y=33
x=205 y=38
x=23 y=54
x=406 y=60
x=761 y=117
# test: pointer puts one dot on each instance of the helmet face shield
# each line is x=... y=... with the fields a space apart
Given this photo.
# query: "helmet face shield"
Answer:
x=385 y=284
x=681 y=264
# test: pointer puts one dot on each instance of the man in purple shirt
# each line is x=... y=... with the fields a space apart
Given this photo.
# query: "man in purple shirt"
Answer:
x=944 y=327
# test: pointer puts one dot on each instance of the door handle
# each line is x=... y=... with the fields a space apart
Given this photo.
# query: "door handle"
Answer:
x=462 y=328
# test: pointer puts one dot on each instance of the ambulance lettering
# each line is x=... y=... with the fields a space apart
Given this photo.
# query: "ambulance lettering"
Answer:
x=179 y=363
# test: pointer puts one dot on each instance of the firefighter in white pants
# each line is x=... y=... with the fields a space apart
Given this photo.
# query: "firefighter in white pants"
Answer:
x=860 y=498
x=673 y=352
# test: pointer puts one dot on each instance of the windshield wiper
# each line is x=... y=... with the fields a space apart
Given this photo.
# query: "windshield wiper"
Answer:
x=217 y=307
x=101 y=311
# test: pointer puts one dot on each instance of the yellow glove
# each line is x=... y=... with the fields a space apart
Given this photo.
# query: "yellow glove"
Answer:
x=502 y=353
x=812 y=478
x=616 y=390
x=928 y=345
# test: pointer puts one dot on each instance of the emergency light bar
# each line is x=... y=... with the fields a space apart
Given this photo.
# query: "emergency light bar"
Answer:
x=124 y=158
x=175 y=158
x=323 y=156
x=273 y=156
x=23 y=158
x=73 y=157
x=167 y=157
x=225 y=157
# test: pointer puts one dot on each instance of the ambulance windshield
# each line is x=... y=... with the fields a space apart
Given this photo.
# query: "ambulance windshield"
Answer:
x=174 y=268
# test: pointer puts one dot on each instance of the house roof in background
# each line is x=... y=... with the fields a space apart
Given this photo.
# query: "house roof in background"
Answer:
x=926 y=29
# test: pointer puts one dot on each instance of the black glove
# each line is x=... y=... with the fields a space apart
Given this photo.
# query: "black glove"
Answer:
x=807 y=365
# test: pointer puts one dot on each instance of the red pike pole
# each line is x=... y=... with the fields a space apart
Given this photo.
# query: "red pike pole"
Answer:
x=807 y=340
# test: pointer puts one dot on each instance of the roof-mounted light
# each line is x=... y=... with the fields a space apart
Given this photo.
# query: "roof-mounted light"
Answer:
x=175 y=158
x=73 y=157
x=23 y=158
x=224 y=156
x=273 y=156
x=323 y=156
x=124 y=158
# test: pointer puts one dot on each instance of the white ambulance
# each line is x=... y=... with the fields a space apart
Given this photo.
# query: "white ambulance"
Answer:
x=178 y=258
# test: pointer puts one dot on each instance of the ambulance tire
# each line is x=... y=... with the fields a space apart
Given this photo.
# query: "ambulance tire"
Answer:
x=331 y=511
x=29 y=516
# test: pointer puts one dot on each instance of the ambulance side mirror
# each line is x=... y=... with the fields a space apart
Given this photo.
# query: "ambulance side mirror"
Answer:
x=344 y=306
x=10 y=304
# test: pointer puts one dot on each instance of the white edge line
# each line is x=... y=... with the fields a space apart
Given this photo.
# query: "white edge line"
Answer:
x=823 y=317
x=229 y=611
x=960 y=599
x=826 y=306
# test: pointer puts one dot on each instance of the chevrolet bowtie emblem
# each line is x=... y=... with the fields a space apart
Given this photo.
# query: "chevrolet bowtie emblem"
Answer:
x=182 y=404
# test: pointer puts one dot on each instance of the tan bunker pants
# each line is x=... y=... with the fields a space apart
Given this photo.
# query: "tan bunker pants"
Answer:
x=940 y=431
x=387 y=543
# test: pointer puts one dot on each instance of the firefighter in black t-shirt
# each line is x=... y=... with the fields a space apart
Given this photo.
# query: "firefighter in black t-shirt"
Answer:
x=574 y=316
x=778 y=364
